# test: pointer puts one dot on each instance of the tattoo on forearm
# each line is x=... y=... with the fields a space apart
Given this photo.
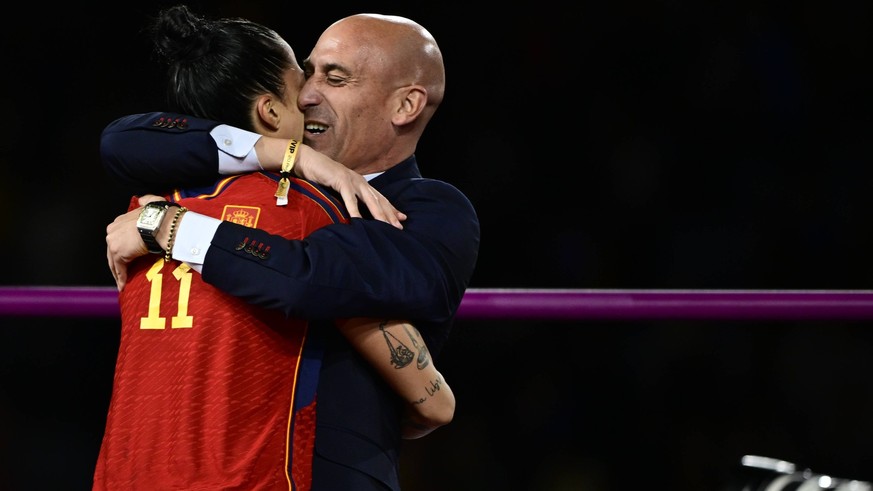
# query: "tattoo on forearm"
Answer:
x=423 y=359
x=401 y=356
x=434 y=387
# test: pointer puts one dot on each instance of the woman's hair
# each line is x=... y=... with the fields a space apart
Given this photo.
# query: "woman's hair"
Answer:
x=217 y=68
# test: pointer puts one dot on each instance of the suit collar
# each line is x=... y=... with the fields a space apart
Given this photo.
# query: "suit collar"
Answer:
x=408 y=169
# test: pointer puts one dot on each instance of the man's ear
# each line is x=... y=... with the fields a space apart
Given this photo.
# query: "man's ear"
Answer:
x=266 y=115
x=412 y=100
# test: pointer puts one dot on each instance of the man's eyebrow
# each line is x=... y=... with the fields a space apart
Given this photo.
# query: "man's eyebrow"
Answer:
x=328 y=67
x=335 y=67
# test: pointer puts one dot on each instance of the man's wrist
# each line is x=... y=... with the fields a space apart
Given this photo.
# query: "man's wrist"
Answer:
x=163 y=236
x=193 y=241
x=150 y=223
x=174 y=226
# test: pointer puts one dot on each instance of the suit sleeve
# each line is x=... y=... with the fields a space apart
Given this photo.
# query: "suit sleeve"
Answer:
x=156 y=152
x=365 y=268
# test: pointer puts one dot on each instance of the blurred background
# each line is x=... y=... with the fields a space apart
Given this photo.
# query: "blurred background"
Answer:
x=622 y=144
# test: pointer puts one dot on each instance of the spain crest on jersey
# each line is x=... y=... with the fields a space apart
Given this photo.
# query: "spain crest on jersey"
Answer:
x=242 y=215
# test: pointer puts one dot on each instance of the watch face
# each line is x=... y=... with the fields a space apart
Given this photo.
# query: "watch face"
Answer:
x=151 y=216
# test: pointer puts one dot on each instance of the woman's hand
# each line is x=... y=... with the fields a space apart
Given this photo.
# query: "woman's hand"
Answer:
x=352 y=186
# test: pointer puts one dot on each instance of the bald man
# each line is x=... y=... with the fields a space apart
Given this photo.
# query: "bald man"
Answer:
x=373 y=82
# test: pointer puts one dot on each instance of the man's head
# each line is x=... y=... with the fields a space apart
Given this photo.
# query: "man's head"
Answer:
x=372 y=84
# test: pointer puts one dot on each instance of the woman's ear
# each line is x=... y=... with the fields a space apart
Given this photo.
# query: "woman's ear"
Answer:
x=266 y=116
x=411 y=101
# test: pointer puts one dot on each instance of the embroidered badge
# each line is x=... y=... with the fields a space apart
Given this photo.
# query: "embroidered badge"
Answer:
x=243 y=215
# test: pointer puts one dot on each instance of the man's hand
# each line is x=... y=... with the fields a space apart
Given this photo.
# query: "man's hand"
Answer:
x=123 y=242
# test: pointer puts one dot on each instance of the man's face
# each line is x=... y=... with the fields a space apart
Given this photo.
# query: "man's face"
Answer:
x=346 y=100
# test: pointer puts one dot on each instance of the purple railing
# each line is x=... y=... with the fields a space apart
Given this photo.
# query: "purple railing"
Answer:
x=543 y=304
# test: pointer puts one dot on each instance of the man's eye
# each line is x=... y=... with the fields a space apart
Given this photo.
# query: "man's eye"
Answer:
x=335 y=80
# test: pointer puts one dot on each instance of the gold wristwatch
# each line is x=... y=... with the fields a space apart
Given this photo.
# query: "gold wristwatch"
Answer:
x=149 y=223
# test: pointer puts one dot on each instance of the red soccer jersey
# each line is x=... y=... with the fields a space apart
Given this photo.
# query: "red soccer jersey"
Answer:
x=210 y=392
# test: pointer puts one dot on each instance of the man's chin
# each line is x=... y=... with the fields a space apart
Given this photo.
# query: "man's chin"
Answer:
x=314 y=140
x=320 y=144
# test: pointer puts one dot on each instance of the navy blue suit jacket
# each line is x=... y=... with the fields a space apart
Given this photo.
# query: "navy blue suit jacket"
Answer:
x=367 y=268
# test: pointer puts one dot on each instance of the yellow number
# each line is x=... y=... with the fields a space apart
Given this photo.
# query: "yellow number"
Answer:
x=181 y=320
x=154 y=320
x=183 y=275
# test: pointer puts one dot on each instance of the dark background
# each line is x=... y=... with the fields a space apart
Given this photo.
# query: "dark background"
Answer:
x=622 y=144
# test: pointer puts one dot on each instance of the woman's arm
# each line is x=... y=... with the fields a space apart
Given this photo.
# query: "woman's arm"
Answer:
x=317 y=167
x=400 y=356
x=157 y=152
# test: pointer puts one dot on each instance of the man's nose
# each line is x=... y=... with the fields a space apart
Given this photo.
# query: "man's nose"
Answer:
x=308 y=95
